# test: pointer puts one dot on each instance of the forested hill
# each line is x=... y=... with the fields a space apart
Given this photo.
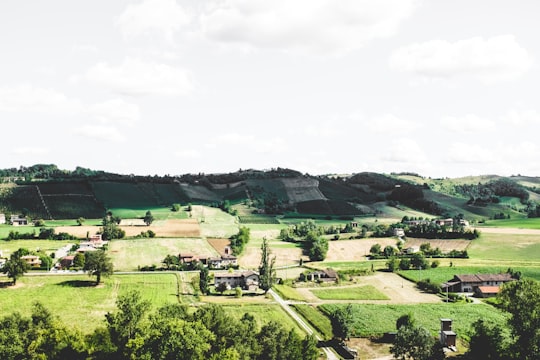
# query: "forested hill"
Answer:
x=47 y=192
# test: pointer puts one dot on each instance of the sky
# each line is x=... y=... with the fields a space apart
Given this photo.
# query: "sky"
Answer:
x=154 y=87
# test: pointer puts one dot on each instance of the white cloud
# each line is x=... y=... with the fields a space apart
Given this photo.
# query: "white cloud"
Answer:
x=137 y=77
x=115 y=111
x=467 y=124
x=28 y=98
x=405 y=150
x=162 y=17
x=99 y=132
x=22 y=151
x=320 y=26
x=522 y=117
x=390 y=123
x=188 y=154
x=498 y=58
x=249 y=143
x=469 y=153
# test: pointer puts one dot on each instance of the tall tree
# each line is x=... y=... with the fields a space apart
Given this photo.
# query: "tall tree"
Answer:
x=15 y=267
x=148 y=218
x=342 y=322
x=267 y=273
x=124 y=322
x=98 y=264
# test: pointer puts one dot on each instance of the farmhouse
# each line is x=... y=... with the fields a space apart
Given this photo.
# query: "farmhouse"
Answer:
x=17 y=220
x=327 y=275
x=66 y=262
x=247 y=280
x=470 y=283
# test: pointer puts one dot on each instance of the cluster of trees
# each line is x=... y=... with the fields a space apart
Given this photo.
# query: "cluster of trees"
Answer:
x=44 y=233
x=415 y=342
x=133 y=331
x=482 y=194
x=239 y=240
x=311 y=237
x=110 y=229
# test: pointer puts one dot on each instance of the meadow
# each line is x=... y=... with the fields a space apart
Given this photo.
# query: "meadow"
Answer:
x=517 y=223
x=375 y=320
x=366 y=292
x=78 y=302
x=129 y=254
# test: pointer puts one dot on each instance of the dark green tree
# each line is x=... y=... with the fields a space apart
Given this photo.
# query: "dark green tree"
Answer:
x=522 y=300
x=416 y=343
x=98 y=264
x=204 y=280
x=148 y=218
x=79 y=260
x=15 y=267
x=342 y=322
x=124 y=322
x=487 y=342
x=239 y=240
x=317 y=246
x=267 y=272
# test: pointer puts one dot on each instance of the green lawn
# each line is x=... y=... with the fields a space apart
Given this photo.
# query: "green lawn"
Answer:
x=77 y=302
x=159 y=213
x=366 y=292
x=374 y=320
x=128 y=254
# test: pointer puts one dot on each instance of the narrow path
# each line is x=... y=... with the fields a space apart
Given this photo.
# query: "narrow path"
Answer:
x=328 y=351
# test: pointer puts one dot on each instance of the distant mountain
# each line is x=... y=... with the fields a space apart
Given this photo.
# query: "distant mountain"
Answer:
x=44 y=191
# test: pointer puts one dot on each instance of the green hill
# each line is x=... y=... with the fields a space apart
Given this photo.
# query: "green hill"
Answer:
x=44 y=191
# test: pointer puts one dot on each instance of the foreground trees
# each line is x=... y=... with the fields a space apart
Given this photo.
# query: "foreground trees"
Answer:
x=15 y=267
x=133 y=331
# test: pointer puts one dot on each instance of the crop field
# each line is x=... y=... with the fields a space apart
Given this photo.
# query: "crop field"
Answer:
x=257 y=219
x=214 y=222
x=300 y=189
x=69 y=206
x=127 y=255
x=365 y=292
x=165 y=228
x=77 y=302
x=375 y=320
x=444 y=245
x=285 y=253
x=355 y=250
x=158 y=212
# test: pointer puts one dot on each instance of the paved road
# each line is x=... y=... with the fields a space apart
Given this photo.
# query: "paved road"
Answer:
x=328 y=351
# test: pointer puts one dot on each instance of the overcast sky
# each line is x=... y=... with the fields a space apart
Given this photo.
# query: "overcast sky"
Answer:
x=437 y=87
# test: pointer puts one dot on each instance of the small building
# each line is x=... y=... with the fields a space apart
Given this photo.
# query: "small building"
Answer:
x=400 y=232
x=247 y=280
x=447 y=337
x=18 y=220
x=328 y=275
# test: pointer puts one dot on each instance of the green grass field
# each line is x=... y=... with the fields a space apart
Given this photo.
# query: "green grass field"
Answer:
x=375 y=320
x=366 y=292
x=288 y=292
x=519 y=223
x=77 y=302
x=506 y=247
x=316 y=319
x=263 y=313
x=8 y=247
x=159 y=213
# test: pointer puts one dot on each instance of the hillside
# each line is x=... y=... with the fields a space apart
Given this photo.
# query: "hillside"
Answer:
x=44 y=191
